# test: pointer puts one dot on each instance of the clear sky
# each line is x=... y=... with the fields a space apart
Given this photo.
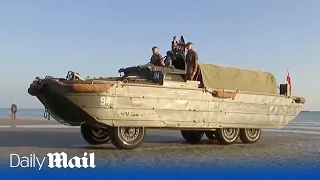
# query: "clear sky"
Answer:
x=97 y=37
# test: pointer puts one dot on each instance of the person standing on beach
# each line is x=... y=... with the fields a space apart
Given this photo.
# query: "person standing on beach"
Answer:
x=14 y=110
x=192 y=61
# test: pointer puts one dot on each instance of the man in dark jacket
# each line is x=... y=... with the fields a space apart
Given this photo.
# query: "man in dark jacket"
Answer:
x=171 y=55
x=192 y=61
x=156 y=58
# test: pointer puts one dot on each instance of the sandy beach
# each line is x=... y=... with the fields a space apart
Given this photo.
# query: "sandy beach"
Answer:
x=275 y=149
x=10 y=122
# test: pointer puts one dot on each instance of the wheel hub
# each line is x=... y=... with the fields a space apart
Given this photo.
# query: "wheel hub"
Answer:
x=230 y=132
x=129 y=134
x=98 y=132
x=252 y=133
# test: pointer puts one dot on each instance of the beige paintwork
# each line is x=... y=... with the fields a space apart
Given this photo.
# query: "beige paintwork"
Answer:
x=184 y=105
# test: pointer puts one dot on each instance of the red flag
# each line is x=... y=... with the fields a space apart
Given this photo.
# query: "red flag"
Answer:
x=288 y=79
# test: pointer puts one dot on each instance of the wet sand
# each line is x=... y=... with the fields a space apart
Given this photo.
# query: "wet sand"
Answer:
x=11 y=122
x=275 y=149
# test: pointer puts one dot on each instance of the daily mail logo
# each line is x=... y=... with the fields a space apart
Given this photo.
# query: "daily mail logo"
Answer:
x=54 y=160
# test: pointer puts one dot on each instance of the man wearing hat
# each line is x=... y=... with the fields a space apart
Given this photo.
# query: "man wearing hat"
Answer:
x=156 y=58
x=192 y=61
x=171 y=55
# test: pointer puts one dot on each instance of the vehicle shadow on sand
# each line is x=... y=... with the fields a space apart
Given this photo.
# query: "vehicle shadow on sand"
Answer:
x=73 y=140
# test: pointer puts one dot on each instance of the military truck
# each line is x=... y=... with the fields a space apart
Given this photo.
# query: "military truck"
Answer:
x=222 y=103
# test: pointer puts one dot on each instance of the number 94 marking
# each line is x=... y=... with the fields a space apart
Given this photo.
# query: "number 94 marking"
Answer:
x=156 y=75
x=105 y=101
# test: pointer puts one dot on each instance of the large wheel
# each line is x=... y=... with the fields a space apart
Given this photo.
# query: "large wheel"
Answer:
x=94 y=135
x=211 y=135
x=250 y=135
x=192 y=136
x=227 y=135
x=126 y=137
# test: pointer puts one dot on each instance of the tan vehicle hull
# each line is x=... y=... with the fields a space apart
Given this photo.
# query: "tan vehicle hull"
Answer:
x=122 y=108
x=184 y=105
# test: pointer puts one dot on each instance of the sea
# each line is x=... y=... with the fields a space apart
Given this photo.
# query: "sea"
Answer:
x=306 y=120
x=23 y=113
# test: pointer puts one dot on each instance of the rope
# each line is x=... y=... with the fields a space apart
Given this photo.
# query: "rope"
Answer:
x=60 y=120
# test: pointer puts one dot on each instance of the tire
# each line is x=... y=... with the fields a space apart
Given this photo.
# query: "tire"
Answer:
x=227 y=135
x=210 y=135
x=127 y=138
x=192 y=136
x=248 y=135
x=93 y=135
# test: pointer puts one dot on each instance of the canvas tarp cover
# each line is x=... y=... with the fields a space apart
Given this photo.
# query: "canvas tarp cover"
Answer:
x=228 y=78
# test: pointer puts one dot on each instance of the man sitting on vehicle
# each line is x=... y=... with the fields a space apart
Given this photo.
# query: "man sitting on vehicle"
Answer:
x=156 y=58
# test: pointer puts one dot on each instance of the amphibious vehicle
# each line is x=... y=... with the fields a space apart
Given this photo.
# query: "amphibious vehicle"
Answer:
x=224 y=103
